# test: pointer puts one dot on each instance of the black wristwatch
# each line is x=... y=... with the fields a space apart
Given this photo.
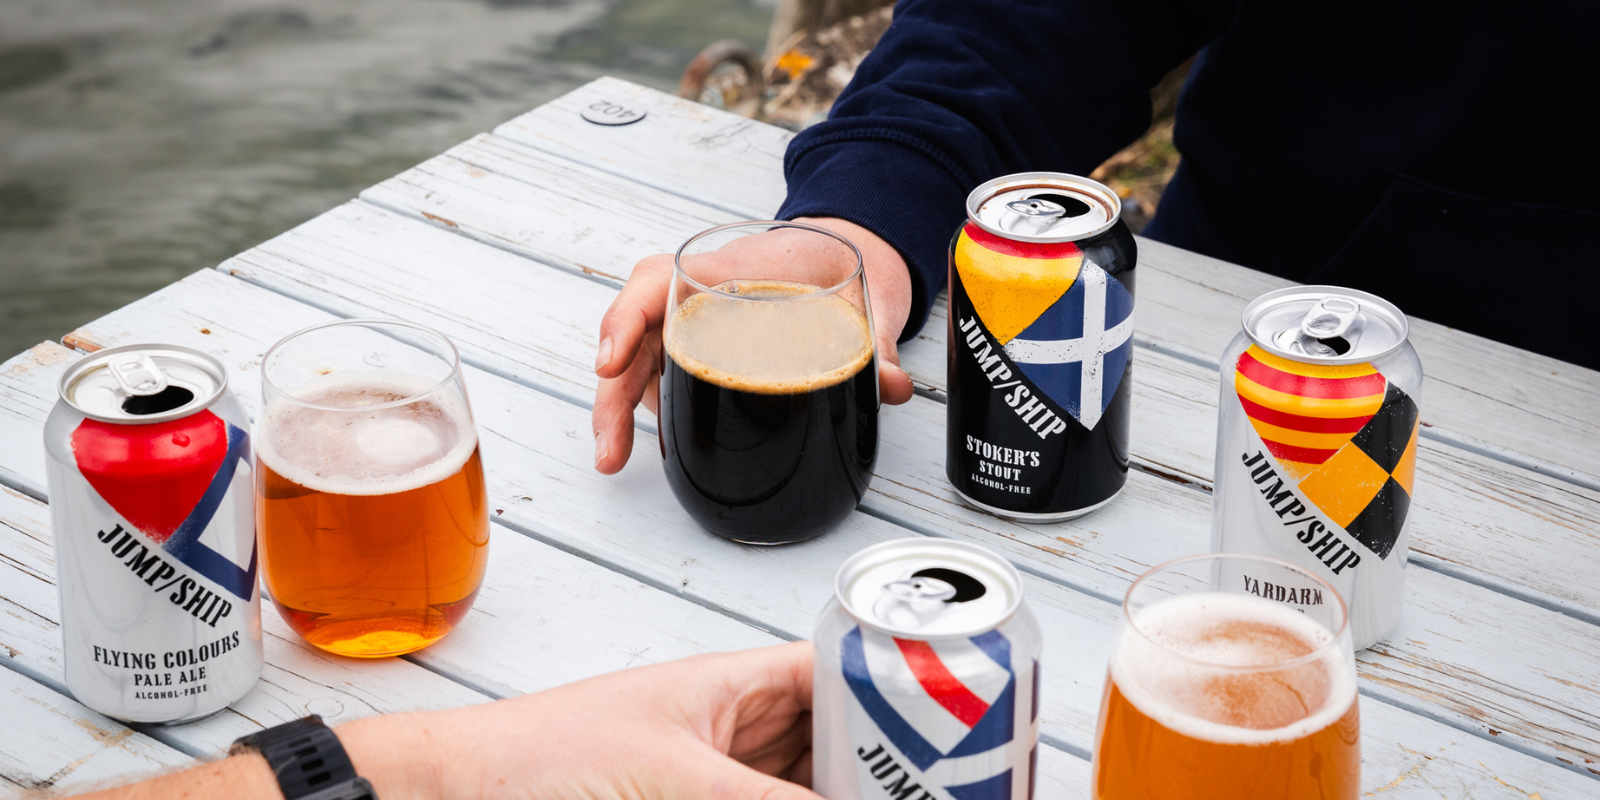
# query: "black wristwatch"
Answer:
x=308 y=760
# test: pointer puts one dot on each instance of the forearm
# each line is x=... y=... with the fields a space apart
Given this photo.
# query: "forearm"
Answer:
x=393 y=753
x=240 y=777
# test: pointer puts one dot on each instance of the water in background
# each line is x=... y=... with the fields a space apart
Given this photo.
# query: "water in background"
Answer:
x=141 y=141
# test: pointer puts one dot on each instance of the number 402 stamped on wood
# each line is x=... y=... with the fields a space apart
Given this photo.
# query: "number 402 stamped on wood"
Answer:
x=605 y=112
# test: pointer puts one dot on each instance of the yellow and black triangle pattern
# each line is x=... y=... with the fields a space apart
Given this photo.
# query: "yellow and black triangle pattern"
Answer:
x=1366 y=487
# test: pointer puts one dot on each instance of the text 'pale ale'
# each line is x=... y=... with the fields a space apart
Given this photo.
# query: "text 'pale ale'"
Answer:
x=150 y=505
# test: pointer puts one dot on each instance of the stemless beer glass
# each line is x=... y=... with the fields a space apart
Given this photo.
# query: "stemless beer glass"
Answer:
x=371 y=509
x=1231 y=676
x=769 y=393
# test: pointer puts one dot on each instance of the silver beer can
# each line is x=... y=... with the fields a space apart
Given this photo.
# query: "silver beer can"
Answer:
x=926 y=677
x=153 y=511
x=1317 y=430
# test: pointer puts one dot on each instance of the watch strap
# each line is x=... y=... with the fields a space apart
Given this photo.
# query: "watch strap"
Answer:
x=308 y=760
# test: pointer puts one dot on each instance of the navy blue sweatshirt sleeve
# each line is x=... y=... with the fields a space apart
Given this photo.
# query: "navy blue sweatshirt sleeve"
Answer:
x=961 y=91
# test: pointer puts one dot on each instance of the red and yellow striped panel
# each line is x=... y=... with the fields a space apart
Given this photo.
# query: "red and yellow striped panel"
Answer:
x=1305 y=412
x=1011 y=283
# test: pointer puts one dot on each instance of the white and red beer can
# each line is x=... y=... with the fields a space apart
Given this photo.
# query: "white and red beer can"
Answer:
x=152 y=506
x=926 y=679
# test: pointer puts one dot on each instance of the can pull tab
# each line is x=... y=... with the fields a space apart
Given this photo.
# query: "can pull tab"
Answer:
x=1328 y=330
x=913 y=602
x=1331 y=317
x=138 y=375
x=1032 y=216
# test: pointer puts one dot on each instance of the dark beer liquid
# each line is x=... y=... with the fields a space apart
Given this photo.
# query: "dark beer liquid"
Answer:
x=769 y=411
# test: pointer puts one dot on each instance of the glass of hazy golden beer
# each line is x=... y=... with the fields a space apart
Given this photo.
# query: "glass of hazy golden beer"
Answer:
x=370 y=506
x=1243 y=690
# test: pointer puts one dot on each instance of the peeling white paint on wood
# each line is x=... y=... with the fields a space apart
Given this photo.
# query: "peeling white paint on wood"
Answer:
x=50 y=742
x=1476 y=389
x=910 y=485
x=533 y=443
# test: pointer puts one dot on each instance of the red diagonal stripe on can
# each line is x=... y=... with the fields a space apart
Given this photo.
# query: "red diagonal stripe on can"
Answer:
x=1284 y=419
x=1306 y=455
x=1304 y=386
x=946 y=689
x=1008 y=247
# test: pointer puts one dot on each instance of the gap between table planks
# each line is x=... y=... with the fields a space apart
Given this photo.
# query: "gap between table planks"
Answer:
x=534 y=596
x=543 y=618
x=1506 y=402
x=538 y=440
x=487 y=184
x=340 y=262
x=49 y=741
x=1476 y=517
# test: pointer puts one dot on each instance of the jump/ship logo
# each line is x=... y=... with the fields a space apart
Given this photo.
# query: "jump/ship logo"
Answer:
x=954 y=731
x=167 y=480
x=1061 y=319
x=1344 y=433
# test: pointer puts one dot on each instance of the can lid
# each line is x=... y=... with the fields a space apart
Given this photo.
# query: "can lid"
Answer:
x=929 y=588
x=1325 y=324
x=1044 y=207
x=140 y=384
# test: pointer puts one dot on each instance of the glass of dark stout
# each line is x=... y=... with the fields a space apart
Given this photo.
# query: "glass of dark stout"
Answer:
x=769 y=393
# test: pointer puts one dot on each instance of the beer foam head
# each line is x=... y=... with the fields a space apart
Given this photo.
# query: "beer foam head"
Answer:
x=342 y=445
x=1233 y=669
x=769 y=346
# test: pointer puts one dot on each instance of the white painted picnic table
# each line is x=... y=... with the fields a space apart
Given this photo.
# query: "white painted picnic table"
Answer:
x=514 y=242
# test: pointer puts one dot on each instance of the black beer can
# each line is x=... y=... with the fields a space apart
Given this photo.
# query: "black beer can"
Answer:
x=1040 y=347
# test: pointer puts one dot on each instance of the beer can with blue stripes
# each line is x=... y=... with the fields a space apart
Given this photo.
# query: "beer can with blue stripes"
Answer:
x=1040 y=348
x=926 y=677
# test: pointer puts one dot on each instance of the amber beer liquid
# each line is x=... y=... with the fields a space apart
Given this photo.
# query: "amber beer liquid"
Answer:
x=1317 y=430
x=1172 y=729
x=1215 y=692
x=1040 y=348
x=372 y=510
x=150 y=505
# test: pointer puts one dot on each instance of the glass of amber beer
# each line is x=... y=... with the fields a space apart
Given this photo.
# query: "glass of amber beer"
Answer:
x=370 y=505
x=769 y=390
x=1231 y=677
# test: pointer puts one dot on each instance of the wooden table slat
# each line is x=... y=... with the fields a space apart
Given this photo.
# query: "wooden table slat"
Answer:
x=1478 y=392
x=1473 y=512
x=533 y=442
x=514 y=243
x=543 y=618
x=313 y=263
x=681 y=147
x=48 y=741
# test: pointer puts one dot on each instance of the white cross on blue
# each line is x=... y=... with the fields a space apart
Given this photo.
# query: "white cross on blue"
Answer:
x=1077 y=350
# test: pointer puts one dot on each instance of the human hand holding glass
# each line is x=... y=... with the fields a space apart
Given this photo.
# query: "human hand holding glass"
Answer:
x=769 y=390
x=630 y=356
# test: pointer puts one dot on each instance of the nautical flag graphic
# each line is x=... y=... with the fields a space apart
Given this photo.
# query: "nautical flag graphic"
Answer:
x=1345 y=433
x=168 y=479
x=954 y=730
x=1305 y=412
x=1065 y=322
x=1010 y=284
